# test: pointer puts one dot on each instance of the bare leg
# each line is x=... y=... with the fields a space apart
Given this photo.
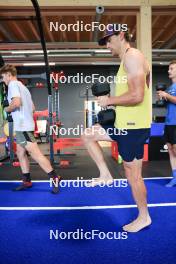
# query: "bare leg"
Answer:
x=90 y=138
x=38 y=156
x=23 y=159
x=172 y=156
x=133 y=171
x=24 y=164
x=44 y=163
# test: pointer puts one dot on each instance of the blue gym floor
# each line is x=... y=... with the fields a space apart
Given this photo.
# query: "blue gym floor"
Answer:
x=26 y=219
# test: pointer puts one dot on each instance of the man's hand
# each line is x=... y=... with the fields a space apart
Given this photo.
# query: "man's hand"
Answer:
x=5 y=109
x=103 y=101
x=15 y=103
x=162 y=95
x=5 y=103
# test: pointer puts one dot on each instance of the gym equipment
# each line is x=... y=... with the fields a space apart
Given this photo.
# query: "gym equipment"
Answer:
x=3 y=139
x=56 y=77
x=1 y=61
x=8 y=125
x=87 y=110
x=47 y=70
x=46 y=76
x=157 y=145
x=55 y=87
x=3 y=99
x=160 y=87
x=99 y=12
x=6 y=130
x=42 y=116
x=11 y=137
x=107 y=115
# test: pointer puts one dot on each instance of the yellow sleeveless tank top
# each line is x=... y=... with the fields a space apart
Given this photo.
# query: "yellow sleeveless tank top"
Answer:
x=136 y=116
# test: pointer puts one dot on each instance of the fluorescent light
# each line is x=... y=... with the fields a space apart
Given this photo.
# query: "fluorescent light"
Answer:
x=37 y=63
x=102 y=51
x=160 y=62
x=61 y=51
x=65 y=55
x=71 y=51
x=13 y=56
x=70 y=55
x=105 y=63
x=27 y=52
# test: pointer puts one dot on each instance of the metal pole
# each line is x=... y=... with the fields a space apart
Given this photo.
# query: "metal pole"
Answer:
x=11 y=139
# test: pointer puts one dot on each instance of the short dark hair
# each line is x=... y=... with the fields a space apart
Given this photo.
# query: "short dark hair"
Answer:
x=127 y=36
x=8 y=68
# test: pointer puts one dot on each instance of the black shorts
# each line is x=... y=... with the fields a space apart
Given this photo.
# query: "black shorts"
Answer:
x=170 y=134
x=130 y=141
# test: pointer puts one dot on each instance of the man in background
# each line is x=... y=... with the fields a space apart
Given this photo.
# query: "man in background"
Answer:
x=170 y=122
x=21 y=107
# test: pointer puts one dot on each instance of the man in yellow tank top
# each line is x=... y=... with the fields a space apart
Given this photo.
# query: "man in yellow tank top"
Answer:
x=133 y=118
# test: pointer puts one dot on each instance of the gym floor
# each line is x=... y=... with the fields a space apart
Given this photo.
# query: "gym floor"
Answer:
x=83 y=167
x=30 y=220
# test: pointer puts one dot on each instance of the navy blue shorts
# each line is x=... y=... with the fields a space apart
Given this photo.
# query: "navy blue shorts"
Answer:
x=170 y=134
x=130 y=141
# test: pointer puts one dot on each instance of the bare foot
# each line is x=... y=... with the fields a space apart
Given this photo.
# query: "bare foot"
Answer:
x=138 y=224
x=101 y=181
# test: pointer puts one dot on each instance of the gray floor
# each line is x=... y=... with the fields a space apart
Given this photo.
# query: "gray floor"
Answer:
x=83 y=167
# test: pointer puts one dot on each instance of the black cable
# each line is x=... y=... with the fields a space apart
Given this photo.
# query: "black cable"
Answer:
x=43 y=43
x=47 y=70
x=1 y=61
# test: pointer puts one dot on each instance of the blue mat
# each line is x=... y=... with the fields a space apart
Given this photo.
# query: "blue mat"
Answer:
x=25 y=234
x=40 y=195
x=25 y=237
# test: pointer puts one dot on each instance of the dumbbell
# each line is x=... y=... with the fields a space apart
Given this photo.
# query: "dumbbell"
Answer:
x=7 y=116
x=160 y=87
x=107 y=115
x=5 y=103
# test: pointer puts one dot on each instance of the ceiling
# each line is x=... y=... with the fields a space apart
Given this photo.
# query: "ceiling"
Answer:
x=20 y=41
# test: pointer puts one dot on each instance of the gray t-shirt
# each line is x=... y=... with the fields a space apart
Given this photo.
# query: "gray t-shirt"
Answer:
x=23 y=116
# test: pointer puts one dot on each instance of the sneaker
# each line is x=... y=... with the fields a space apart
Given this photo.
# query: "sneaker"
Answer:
x=23 y=186
x=55 y=189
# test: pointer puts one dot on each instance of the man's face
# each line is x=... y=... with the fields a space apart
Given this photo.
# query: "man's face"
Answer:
x=172 y=71
x=6 y=77
x=113 y=44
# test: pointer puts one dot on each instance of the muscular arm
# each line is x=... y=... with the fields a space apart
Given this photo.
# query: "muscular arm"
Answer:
x=171 y=98
x=134 y=66
x=167 y=96
x=15 y=103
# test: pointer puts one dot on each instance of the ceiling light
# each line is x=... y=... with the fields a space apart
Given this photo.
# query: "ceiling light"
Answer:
x=27 y=52
x=37 y=63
